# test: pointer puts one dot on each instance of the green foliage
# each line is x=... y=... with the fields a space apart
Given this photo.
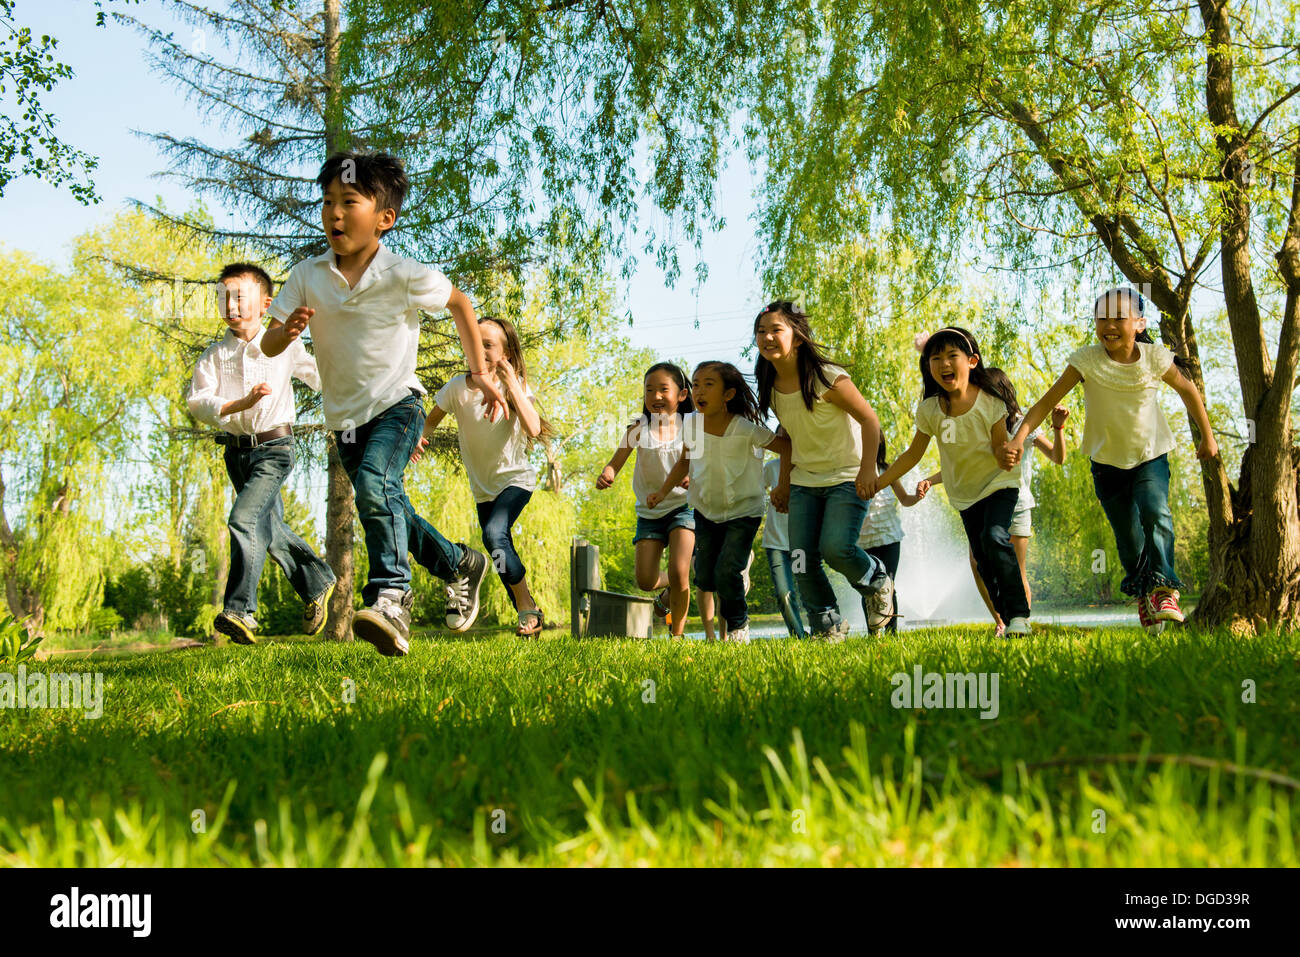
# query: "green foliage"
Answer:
x=29 y=67
x=16 y=643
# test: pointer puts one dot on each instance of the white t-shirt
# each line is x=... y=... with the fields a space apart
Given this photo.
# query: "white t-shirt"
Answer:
x=230 y=367
x=827 y=441
x=365 y=337
x=654 y=460
x=495 y=453
x=1123 y=425
x=966 y=461
x=776 y=525
x=884 y=522
x=726 y=470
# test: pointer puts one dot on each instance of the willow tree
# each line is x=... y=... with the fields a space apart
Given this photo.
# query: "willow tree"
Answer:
x=72 y=367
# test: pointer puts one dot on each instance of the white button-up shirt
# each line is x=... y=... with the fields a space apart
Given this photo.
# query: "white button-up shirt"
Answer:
x=229 y=368
x=365 y=338
x=726 y=470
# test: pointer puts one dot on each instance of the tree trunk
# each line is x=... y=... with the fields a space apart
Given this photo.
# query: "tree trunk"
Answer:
x=1255 y=568
x=338 y=503
x=338 y=546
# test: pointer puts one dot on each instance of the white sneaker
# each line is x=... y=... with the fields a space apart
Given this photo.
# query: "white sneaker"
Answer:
x=1018 y=626
x=740 y=636
x=880 y=606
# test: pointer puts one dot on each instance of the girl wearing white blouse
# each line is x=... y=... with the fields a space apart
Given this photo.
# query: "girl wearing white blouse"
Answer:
x=723 y=453
x=670 y=523
x=495 y=454
x=966 y=410
x=1128 y=440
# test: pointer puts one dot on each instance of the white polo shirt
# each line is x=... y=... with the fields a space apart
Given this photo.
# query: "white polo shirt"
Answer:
x=365 y=337
x=230 y=367
x=726 y=470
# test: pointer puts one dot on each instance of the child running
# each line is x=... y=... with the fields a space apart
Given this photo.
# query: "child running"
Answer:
x=1021 y=527
x=882 y=529
x=826 y=479
x=257 y=430
x=363 y=303
x=1128 y=440
x=963 y=407
x=723 y=446
x=657 y=438
x=495 y=454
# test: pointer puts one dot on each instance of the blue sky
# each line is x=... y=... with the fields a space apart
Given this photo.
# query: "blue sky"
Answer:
x=114 y=90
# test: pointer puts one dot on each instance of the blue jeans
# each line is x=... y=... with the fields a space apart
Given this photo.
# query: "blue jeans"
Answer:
x=1136 y=503
x=257 y=527
x=722 y=551
x=497 y=518
x=786 y=597
x=375 y=460
x=824 y=526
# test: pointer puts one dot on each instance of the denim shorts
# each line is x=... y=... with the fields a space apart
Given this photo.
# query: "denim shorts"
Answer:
x=657 y=529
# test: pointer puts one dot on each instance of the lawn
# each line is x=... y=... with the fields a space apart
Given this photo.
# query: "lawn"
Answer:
x=1109 y=748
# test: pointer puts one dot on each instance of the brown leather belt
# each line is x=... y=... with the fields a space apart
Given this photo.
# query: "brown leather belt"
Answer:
x=253 y=441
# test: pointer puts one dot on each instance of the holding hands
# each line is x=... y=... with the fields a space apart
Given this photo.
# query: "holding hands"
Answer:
x=866 y=481
x=1010 y=454
x=781 y=498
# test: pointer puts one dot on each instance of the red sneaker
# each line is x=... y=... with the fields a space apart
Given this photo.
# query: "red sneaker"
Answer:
x=1164 y=605
x=1146 y=615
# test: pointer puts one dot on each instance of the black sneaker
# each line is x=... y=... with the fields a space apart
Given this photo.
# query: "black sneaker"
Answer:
x=238 y=628
x=462 y=593
x=386 y=624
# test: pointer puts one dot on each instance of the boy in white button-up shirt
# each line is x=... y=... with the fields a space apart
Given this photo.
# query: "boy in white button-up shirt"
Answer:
x=363 y=303
x=239 y=389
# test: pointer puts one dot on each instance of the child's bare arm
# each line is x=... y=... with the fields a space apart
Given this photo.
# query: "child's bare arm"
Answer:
x=279 y=334
x=846 y=396
x=671 y=481
x=431 y=422
x=471 y=342
x=617 y=461
x=1192 y=399
x=905 y=462
x=1013 y=449
x=904 y=499
x=780 y=494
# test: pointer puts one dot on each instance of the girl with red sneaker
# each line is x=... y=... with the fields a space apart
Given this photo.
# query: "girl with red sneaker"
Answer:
x=1128 y=440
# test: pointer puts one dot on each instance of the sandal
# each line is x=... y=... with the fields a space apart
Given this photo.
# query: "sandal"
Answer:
x=530 y=623
x=661 y=604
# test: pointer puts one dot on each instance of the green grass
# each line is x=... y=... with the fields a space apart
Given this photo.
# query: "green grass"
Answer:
x=778 y=753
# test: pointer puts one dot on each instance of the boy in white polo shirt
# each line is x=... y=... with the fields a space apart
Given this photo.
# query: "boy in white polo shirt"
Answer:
x=363 y=302
x=236 y=387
